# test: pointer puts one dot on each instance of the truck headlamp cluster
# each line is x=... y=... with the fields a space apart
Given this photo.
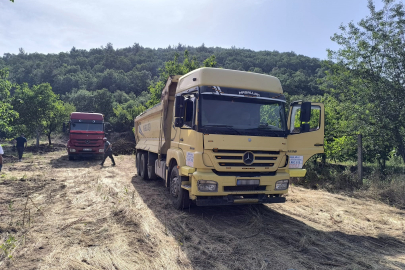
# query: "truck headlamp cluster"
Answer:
x=207 y=186
x=282 y=184
x=72 y=150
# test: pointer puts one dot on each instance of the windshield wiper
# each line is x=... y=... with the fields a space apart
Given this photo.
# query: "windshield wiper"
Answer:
x=225 y=126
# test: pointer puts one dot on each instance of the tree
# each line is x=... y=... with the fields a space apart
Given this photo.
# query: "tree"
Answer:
x=368 y=75
x=173 y=67
x=57 y=116
x=35 y=106
x=7 y=114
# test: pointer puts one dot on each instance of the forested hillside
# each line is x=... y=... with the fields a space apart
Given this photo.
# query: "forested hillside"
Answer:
x=132 y=69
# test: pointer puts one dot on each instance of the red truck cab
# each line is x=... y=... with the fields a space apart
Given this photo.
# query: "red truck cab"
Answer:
x=86 y=133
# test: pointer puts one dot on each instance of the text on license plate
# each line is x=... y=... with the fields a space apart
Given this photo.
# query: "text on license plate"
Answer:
x=87 y=149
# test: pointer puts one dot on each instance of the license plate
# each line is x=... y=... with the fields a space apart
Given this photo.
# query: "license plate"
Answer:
x=87 y=149
x=247 y=182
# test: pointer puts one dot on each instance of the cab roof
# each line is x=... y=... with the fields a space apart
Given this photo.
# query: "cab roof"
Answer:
x=229 y=78
x=86 y=116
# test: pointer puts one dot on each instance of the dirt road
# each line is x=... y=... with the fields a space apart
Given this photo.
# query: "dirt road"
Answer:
x=57 y=214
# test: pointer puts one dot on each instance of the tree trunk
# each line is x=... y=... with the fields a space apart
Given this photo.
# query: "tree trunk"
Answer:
x=400 y=144
x=360 y=159
x=49 y=138
x=38 y=134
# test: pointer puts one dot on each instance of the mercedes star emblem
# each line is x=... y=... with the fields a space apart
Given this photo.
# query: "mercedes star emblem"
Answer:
x=248 y=158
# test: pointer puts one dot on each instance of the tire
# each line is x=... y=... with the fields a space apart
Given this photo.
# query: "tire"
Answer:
x=151 y=171
x=143 y=166
x=138 y=162
x=71 y=157
x=179 y=196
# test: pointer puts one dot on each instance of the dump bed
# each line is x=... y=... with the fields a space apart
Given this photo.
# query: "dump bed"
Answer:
x=153 y=127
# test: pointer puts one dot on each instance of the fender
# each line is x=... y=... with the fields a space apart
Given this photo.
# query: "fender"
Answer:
x=178 y=155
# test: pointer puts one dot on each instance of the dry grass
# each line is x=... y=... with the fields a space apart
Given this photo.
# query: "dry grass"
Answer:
x=84 y=217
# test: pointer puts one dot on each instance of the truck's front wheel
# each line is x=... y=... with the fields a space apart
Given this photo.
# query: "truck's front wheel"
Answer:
x=180 y=197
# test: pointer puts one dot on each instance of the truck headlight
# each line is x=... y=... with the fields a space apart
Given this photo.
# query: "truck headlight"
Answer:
x=72 y=150
x=207 y=186
x=101 y=150
x=282 y=184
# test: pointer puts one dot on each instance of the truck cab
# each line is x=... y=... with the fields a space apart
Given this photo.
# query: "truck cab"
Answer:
x=86 y=133
x=223 y=137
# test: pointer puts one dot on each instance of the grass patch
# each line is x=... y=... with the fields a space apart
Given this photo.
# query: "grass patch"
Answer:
x=387 y=186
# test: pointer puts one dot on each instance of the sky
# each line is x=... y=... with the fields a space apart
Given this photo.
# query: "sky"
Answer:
x=301 y=26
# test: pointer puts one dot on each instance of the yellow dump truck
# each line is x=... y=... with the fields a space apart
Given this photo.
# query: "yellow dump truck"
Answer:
x=223 y=137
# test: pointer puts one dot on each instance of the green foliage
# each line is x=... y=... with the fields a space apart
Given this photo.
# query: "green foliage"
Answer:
x=366 y=78
x=8 y=246
x=59 y=115
x=132 y=69
x=172 y=67
x=100 y=101
x=7 y=114
x=39 y=108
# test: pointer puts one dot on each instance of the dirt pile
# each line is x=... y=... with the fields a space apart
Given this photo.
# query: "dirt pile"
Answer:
x=123 y=143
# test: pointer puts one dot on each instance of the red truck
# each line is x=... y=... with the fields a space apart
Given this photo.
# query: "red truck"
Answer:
x=86 y=133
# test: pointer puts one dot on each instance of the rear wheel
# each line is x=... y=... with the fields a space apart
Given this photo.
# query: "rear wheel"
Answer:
x=180 y=197
x=151 y=169
x=137 y=162
x=143 y=166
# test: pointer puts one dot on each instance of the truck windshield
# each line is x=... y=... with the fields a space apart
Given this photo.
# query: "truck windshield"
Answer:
x=87 y=126
x=242 y=115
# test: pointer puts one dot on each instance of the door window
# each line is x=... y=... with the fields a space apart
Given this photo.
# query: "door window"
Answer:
x=296 y=126
x=189 y=111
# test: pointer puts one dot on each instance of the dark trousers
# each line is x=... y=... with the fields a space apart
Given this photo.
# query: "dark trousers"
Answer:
x=20 y=151
x=109 y=154
x=1 y=165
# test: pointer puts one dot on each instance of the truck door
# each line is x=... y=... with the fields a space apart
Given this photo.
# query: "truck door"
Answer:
x=306 y=123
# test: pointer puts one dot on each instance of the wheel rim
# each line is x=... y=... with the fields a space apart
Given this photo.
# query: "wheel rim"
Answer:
x=174 y=182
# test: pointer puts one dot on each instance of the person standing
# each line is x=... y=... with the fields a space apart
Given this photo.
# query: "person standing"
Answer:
x=1 y=157
x=107 y=152
x=21 y=144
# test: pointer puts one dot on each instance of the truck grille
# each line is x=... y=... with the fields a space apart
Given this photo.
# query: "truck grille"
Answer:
x=86 y=142
x=244 y=165
x=234 y=158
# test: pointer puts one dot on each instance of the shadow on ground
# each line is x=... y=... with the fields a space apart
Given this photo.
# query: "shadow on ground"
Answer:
x=81 y=162
x=257 y=237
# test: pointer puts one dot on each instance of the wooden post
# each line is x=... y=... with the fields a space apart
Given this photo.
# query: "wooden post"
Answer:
x=360 y=158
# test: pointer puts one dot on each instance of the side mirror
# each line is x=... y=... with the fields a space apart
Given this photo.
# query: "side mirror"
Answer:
x=305 y=112
x=178 y=122
x=179 y=106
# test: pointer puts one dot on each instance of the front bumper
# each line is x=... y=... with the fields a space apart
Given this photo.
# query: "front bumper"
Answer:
x=236 y=200
x=229 y=192
x=81 y=151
